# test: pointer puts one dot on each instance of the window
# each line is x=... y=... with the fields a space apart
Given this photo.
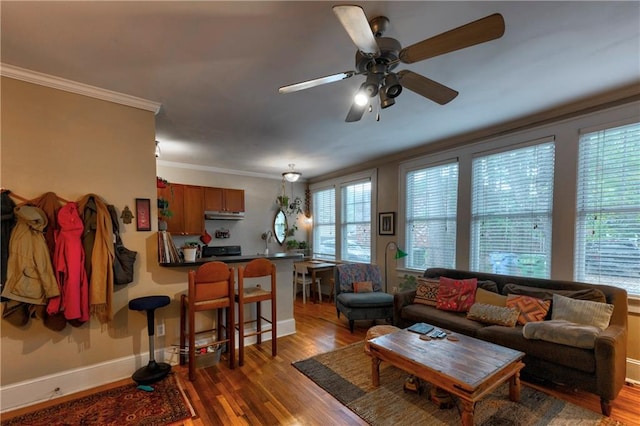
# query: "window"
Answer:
x=342 y=212
x=608 y=208
x=431 y=210
x=512 y=194
x=356 y=222
x=324 y=223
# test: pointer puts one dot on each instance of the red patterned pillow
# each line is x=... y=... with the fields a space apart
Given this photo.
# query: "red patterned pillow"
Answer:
x=362 y=287
x=531 y=309
x=456 y=295
x=427 y=291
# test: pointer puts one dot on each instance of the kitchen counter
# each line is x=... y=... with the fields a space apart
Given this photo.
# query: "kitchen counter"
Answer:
x=284 y=281
x=234 y=259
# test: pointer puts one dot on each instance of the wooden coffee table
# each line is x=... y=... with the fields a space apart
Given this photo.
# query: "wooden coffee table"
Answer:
x=467 y=368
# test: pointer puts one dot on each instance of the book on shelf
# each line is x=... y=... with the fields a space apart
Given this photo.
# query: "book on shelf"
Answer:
x=167 y=251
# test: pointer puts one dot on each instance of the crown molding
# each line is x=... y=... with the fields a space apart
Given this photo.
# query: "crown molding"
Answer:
x=35 y=77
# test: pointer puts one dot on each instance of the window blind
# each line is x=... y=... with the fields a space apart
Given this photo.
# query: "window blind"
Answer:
x=512 y=196
x=324 y=222
x=607 y=247
x=431 y=209
x=356 y=222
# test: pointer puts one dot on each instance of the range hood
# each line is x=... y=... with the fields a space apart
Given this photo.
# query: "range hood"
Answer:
x=223 y=215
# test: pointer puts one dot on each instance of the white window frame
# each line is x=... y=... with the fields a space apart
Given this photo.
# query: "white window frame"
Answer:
x=338 y=183
x=448 y=241
x=606 y=264
x=534 y=261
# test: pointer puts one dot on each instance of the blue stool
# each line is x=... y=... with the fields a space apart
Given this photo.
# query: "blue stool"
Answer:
x=154 y=371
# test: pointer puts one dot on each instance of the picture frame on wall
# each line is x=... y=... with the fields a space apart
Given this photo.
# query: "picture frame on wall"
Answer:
x=387 y=223
x=143 y=214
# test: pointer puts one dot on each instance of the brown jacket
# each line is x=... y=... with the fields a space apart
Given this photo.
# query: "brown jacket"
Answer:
x=30 y=277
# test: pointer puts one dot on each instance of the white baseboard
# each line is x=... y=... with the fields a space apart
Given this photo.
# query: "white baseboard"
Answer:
x=633 y=370
x=40 y=389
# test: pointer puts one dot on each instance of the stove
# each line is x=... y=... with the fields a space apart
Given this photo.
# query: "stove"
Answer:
x=216 y=251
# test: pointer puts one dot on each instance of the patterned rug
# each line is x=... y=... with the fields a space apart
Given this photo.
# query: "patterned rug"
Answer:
x=346 y=374
x=124 y=405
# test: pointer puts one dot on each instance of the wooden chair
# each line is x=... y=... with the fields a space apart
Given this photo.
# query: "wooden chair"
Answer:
x=211 y=287
x=302 y=277
x=257 y=268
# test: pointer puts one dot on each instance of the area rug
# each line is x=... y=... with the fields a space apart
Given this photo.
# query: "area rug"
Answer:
x=124 y=405
x=346 y=374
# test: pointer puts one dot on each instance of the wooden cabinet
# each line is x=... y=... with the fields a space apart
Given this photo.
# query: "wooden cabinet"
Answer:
x=223 y=199
x=186 y=202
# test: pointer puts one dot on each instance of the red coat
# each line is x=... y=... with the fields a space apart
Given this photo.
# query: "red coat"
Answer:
x=68 y=264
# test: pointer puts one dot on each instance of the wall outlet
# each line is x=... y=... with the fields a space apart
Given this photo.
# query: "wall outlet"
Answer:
x=160 y=330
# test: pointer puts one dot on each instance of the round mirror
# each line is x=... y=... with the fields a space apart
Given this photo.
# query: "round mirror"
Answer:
x=280 y=227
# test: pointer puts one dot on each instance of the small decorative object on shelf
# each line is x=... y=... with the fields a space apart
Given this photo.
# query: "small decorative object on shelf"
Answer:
x=161 y=183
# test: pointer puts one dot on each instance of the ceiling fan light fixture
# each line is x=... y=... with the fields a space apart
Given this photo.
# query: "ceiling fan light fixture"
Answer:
x=386 y=101
x=392 y=86
x=291 y=175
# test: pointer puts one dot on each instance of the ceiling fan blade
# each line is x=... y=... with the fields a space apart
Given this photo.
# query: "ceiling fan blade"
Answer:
x=316 y=82
x=355 y=23
x=426 y=87
x=485 y=29
x=355 y=112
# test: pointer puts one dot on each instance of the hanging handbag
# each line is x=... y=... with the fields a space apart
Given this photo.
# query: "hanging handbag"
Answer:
x=124 y=259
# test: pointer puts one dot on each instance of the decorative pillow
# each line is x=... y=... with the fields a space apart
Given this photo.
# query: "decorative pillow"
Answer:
x=492 y=314
x=362 y=287
x=531 y=309
x=563 y=332
x=582 y=311
x=456 y=295
x=427 y=291
x=490 y=298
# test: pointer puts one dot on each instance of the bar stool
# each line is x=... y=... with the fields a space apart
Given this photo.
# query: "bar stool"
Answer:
x=210 y=288
x=257 y=268
x=154 y=371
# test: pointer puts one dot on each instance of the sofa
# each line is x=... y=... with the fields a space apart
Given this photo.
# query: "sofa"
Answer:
x=600 y=369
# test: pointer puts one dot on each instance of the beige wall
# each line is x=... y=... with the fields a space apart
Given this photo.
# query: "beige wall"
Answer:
x=73 y=145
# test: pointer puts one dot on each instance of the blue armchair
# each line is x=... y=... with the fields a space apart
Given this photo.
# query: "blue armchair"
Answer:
x=372 y=305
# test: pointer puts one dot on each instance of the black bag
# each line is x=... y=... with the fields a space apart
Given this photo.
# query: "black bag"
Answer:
x=125 y=259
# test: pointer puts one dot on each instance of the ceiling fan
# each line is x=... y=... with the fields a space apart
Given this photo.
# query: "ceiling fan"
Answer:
x=378 y=56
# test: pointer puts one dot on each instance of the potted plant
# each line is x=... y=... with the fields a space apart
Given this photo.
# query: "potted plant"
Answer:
x=190 y=251
x=292 y=244
x=163 y=213
x=161 y=183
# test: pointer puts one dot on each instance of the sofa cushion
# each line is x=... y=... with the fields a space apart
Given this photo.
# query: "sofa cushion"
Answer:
x=531 y=309
x=562 y=332
x=488 y=285
x=567 y=356
x=490 y=298
x=362 y=287
x=449 y=320
x=582 y=311
x=375 y=299
x=491 y=314
x=592 y=294
x=456 y=295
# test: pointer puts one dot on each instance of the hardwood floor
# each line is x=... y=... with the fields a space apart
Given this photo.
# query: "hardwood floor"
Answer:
x=270 y=391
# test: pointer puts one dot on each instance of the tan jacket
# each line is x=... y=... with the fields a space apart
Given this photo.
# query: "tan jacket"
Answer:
x=30 y=277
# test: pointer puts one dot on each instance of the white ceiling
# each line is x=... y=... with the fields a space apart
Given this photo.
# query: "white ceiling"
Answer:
x=216 y=66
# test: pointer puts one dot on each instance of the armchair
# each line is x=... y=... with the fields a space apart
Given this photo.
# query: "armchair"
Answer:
x=358 y=305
